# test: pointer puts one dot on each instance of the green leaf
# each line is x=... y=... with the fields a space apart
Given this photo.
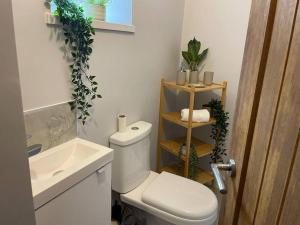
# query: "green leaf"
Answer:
x=202 y=57
x=194 y=47
x=186 y=57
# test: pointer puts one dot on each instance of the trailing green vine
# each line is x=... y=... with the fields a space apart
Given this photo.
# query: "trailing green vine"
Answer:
x=78 y=32
x=194 y=162
x=219 y=130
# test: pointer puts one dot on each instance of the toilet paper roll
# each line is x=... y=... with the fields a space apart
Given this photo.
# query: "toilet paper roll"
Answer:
x=201 y=115
x=122 y=123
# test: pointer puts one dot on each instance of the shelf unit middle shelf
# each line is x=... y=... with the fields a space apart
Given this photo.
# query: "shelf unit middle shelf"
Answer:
x=175 y=118
x=173 y=146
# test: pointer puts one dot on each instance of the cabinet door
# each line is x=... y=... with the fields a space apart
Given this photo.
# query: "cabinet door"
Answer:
x=86 y=203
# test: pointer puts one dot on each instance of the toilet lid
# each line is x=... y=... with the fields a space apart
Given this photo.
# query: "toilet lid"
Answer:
x=180 y=197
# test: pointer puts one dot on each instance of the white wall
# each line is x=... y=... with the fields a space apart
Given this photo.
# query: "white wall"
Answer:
x=221 y=26
x=128 y=66
x=16 y=203
x=43 y=71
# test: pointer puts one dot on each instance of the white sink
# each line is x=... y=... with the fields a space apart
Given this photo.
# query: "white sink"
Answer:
x=57 y=169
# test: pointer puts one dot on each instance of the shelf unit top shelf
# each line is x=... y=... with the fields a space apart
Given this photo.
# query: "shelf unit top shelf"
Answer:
x=173 y=146
x=202 y=176
x=176 y=118
x=188 y=88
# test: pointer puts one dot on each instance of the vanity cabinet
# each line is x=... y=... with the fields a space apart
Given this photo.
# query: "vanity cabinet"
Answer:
x=86 y=203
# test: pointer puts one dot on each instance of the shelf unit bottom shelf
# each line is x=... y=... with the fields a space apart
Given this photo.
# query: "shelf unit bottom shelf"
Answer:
x=202 y=176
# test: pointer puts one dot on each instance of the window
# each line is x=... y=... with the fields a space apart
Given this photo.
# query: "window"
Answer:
x=120 y=12
x=117 y=11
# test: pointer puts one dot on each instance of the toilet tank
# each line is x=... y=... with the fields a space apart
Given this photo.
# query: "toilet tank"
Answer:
x=131 y=164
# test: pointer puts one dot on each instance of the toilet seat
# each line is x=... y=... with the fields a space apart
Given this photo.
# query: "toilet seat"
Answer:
x=156 y=197
x=180 y=196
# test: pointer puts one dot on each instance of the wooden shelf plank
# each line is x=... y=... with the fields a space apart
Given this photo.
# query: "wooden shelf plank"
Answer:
x=202 y=176
x=173 y=146
x=175 y=118
x=187 y=88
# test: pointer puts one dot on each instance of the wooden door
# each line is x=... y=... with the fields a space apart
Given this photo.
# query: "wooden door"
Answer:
x=266 y=129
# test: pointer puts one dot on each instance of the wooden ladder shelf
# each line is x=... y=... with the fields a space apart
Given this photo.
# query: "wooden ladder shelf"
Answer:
x=173 y=146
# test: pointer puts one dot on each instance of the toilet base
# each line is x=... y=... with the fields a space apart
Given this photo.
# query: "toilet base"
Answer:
x=137 y=216
x=146 y=218
x=153 y=220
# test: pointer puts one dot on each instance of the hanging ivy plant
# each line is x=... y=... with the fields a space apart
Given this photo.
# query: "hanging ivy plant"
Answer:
x=219 y=130
x=78 y=32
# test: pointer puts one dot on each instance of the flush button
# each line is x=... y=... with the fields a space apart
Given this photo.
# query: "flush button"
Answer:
x=134 y=128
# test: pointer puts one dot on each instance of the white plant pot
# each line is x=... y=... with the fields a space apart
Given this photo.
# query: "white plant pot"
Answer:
x=194 y=77
x=98 y=12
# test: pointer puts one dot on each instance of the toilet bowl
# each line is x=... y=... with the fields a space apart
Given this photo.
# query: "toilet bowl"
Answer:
x=171 y=198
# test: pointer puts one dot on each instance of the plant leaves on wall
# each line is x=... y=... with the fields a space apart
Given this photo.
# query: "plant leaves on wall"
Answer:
x=78 y=32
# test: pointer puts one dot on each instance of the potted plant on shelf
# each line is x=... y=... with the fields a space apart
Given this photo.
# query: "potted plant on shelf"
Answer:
x=194 y=59
x=96 y=9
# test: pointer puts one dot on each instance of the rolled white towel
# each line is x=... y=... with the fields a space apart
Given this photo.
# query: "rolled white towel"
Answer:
x=201 y=115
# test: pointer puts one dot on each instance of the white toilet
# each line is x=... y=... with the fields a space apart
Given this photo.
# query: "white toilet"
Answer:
x=167 y=198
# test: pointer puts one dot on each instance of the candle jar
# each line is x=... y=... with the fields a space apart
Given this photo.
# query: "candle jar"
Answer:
x=208 y=78
x=181 y=78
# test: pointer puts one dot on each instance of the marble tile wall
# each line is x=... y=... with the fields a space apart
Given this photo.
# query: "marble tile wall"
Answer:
x=50 y=126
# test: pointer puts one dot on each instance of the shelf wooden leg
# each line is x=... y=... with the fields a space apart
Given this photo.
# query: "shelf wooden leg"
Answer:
x=223 y=98
x=161 y=128
x=189 y=133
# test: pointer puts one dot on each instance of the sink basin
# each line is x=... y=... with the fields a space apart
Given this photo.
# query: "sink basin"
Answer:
x=56 y=170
